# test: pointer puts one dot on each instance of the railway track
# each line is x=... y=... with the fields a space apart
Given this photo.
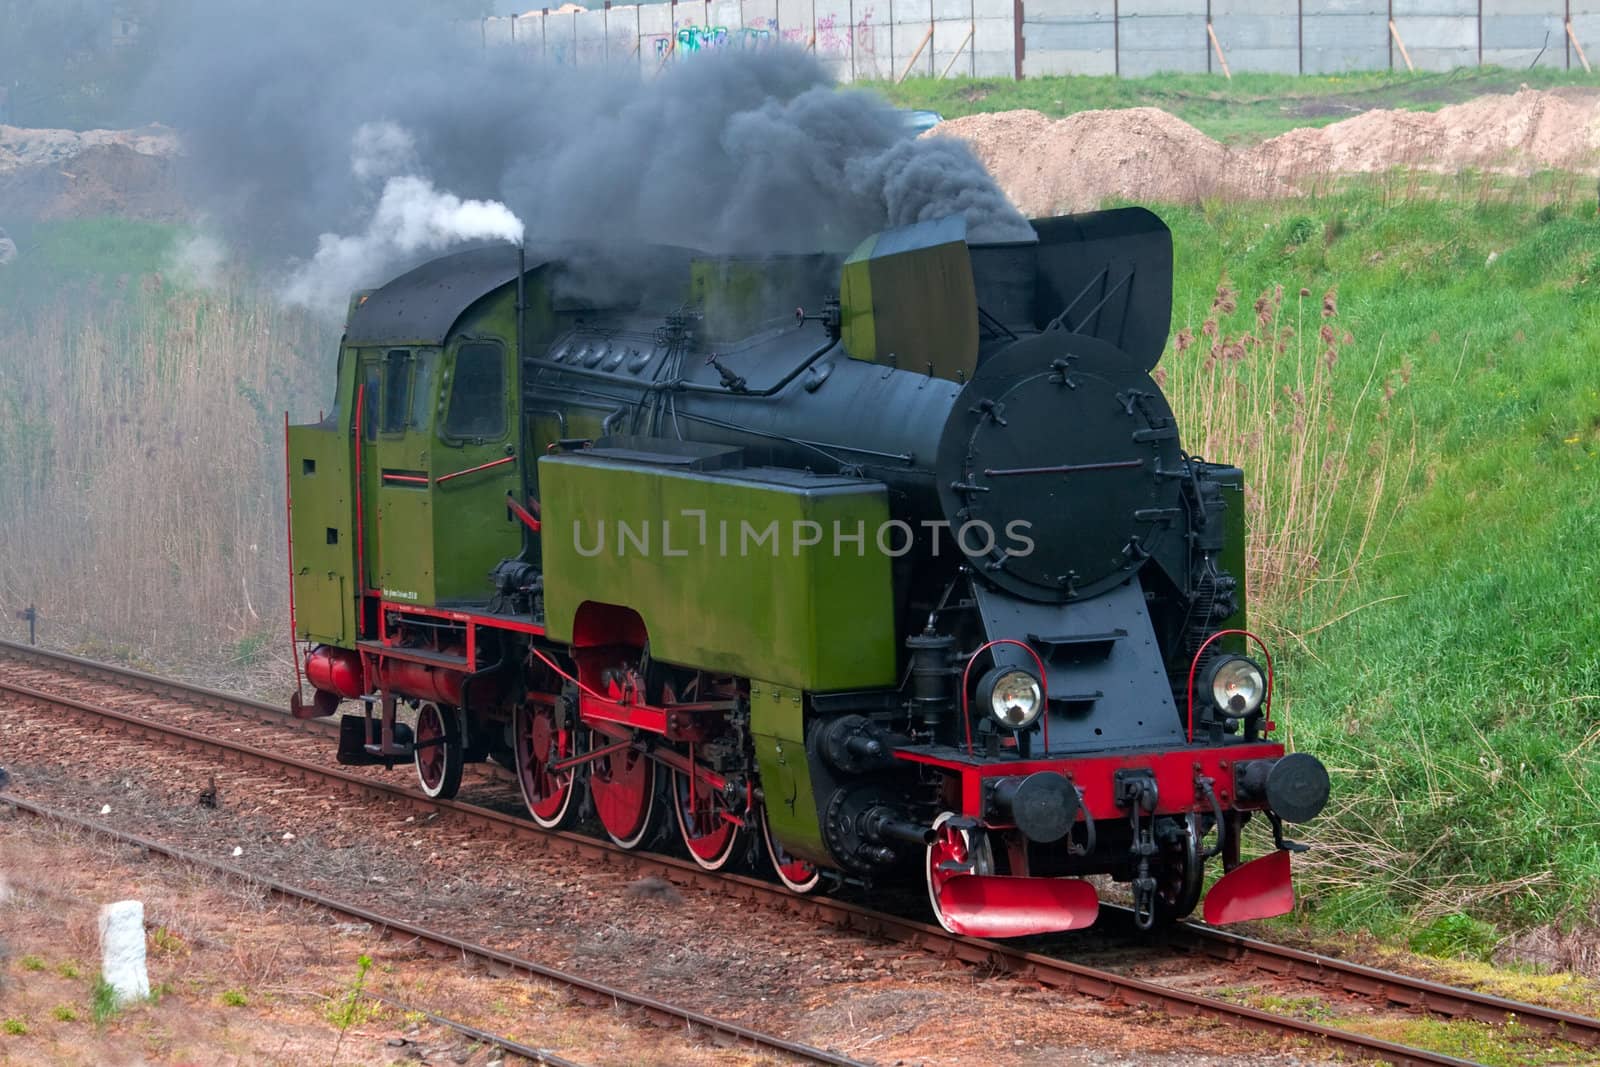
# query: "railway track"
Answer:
x=448 y=945
x=1350 y=979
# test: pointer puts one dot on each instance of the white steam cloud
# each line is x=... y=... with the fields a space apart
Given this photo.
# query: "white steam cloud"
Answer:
x=383 y=149
x=411 y=217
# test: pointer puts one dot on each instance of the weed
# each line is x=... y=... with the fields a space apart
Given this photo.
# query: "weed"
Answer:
x=233 y=998
x=103 y=1002
x=31 y=963
x=69 y=969
x=1456 y=936
x=352 y=1006
x=65 y=1013
x=1511 y=1045
x=1302 y=230
x=163 y=942
x=250 y=649
x=14 y=1027
x=160 y=991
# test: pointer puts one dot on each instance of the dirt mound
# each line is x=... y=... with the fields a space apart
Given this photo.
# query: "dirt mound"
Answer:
x=108 y=179
x=1049 y=166
x=54 y=174
x=1526 y=131
x=20 y=147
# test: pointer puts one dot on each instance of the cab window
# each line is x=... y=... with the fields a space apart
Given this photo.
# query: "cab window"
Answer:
x=478 y=392
x=422 y=389
x=396 y=390
x=369 y=401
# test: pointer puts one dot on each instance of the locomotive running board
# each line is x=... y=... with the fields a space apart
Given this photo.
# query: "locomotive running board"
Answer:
x=1259 y=889
x=980 y=905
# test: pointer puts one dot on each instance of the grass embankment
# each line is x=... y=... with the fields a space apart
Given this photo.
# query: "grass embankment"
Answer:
x=140 y=470
x=1250 y=107
x=1426 y=529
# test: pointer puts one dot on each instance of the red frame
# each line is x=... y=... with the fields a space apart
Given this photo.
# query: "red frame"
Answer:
x=1174 y=771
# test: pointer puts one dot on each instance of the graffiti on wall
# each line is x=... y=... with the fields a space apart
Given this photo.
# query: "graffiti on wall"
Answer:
x=689 y=39
x=593 y=36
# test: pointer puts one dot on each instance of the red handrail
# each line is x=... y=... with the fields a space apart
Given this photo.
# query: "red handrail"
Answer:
x=1044 y=694
x=474 y=470
x=1194 y=666
x=361 y=567
x=288 y=511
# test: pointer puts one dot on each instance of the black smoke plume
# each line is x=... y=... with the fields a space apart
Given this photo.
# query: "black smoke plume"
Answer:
x=394 y=126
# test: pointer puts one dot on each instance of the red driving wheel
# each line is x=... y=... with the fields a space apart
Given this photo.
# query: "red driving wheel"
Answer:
x=539 y=743
x=708 y=827
x=437 y=750
x=797 y=875
x=623 y=784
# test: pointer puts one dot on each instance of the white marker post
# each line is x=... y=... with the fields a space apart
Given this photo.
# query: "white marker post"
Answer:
x=122 y=950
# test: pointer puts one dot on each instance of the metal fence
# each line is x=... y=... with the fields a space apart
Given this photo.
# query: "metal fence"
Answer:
x=862 y=40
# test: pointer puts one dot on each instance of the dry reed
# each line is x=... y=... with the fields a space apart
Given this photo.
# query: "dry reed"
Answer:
x=1322 y=469
x=141 y=470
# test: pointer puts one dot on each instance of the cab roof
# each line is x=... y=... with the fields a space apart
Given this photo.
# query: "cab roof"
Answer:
x=420 y=306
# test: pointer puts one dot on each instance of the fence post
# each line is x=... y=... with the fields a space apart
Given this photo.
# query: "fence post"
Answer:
x=1395 y=33
x=1019 y=44
x=915 y=55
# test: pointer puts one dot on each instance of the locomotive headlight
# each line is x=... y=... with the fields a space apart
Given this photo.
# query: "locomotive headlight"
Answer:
x=1014 y=697
x=1237 y=686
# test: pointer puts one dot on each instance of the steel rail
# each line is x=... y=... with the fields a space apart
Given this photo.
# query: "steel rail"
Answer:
x=1352 y=978
x=1046 y=970
x=482 y=1037
x=388 y=926
x=194 y=694
x=1404 y=991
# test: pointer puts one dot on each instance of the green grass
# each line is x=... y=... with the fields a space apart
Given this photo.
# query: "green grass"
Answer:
x=1458 y=701
x=86 y=252
x=1251 y=107
x=103 y=1003
x=1512 y=1045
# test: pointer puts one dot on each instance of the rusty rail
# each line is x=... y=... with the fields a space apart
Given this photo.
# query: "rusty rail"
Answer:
x=1352 y=978
x=448 y=945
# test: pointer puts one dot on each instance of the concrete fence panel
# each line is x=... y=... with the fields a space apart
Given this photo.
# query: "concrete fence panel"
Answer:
x=1157 y=36
x=1070 y=37
x=1344 y=35
x=1586 y=25
x=1524 y=33
x=1438 y=34
x=1258 y=35
x=995 y=40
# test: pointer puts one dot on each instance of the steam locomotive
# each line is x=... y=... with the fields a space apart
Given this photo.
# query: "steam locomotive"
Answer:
x=869 y=568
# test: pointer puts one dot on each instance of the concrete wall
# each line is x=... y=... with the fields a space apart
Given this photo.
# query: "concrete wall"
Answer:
x=860 y=40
